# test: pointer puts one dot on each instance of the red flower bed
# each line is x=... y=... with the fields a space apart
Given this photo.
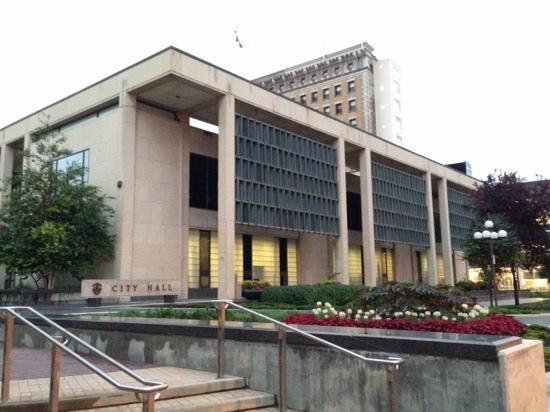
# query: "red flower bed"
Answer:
x=493 y=325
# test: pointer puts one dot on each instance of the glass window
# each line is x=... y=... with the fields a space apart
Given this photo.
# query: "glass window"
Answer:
x=338 y=108
x=75 y=160
x=352 y=105
x=338 y=90
x=326 y=93
x=203 y=182
x=398 y=105
x=351 y=86
x=326 y=109
x=313 y=96
x=397 y=86
x=303 y=99
x=353 y=122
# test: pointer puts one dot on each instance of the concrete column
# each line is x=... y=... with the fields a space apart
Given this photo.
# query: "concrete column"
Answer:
x=342 y=248
x=6 y=168
x=432 y=252
x=367 y=218
x=226 y=197
x=184 y=204
x=445 y=231
x=27 y=142
x=128 y=130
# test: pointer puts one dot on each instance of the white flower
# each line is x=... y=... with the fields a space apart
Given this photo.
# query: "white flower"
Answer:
x=371 y=312
x=444 y=318
x=319 y=304
x=473 y=314
x=422 y=315
x=325 y=311
x=349 y=311
x=453 y=319
x=359 y=311
x=427 y=313
x=396 y=314
x=357 y=316
x=327 y=305
x=464 y=306
x=315 y=312
x=478 y=308
x=342 y=314
x=366 y=316
x=414 y=314
x=437 y=314
x=377 y=317
x=407 y=313
x=326 y=316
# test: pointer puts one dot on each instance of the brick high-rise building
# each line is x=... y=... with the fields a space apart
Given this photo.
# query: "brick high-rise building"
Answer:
x=344 y=85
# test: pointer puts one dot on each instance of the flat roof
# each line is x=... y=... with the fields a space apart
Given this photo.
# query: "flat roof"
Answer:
x=250 y=82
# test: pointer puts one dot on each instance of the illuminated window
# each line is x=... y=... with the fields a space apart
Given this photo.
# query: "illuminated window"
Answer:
x=351 y=86
x=326 y=93
x=352 y=105
x=338 y=90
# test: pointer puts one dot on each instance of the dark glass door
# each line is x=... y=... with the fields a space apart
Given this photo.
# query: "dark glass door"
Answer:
x=204 y=259
x=247 y=257
x=283 y=262
x=419 y=266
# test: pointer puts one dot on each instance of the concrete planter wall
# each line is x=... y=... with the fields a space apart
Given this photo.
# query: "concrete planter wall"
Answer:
x=442 y=372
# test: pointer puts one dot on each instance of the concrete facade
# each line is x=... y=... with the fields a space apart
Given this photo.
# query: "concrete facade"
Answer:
x=136 y=127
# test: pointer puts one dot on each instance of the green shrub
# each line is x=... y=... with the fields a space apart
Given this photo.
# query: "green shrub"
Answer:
x=393 y=297
x=338 y=295
x=469 y=285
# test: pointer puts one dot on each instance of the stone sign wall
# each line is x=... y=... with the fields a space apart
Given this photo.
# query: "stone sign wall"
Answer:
x=109 y=288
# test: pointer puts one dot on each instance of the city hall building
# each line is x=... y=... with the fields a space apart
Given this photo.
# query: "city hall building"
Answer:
x=281 y=192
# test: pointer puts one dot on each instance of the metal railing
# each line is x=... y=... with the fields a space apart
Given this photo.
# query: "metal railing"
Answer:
x=151 y=389
x=391 y=364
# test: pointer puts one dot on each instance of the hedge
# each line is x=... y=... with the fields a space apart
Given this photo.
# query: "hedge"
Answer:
x=338 y=295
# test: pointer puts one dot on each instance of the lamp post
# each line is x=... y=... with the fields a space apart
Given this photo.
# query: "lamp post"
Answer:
x=491 y=236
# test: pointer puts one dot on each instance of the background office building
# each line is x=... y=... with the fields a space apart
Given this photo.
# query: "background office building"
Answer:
x=350 y=85
x=281 y=192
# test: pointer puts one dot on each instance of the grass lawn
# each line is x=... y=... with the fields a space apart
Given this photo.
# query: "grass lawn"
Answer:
x=524 y=308
x=203 y=313
x=541 y=333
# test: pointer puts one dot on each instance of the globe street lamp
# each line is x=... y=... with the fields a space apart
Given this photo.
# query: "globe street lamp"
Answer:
x=491 y=236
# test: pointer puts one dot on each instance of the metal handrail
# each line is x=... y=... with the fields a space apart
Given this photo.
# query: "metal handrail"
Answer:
x=391 y=363
x=150 y=390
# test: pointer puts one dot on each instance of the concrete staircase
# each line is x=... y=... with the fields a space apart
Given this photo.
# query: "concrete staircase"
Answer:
x=188 y=391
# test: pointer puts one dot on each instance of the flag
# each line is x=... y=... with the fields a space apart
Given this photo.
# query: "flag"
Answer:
x=237 y=40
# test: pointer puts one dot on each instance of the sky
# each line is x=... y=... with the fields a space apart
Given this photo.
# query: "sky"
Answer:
x=476 y=74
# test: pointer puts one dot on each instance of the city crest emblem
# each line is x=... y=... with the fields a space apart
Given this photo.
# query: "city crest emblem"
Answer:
x=96 y=288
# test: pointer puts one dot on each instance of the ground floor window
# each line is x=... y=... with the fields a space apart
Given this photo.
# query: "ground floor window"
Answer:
x=421 y=262
x=384 y=264
x=256 y=257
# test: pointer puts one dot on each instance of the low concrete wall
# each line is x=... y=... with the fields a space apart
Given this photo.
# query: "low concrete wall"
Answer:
x=442 y=372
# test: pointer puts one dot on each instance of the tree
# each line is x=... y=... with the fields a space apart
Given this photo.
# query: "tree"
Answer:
x=53 y=224
x=506 y=250
x=525 y=206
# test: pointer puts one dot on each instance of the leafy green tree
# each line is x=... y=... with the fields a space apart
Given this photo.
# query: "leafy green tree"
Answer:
x=507 y=250
x=53 y=224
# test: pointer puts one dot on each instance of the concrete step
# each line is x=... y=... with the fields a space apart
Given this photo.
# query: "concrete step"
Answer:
x=224 y=401
x=90 y=391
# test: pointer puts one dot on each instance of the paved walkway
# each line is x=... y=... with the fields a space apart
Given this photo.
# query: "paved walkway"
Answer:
x=536 y=319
